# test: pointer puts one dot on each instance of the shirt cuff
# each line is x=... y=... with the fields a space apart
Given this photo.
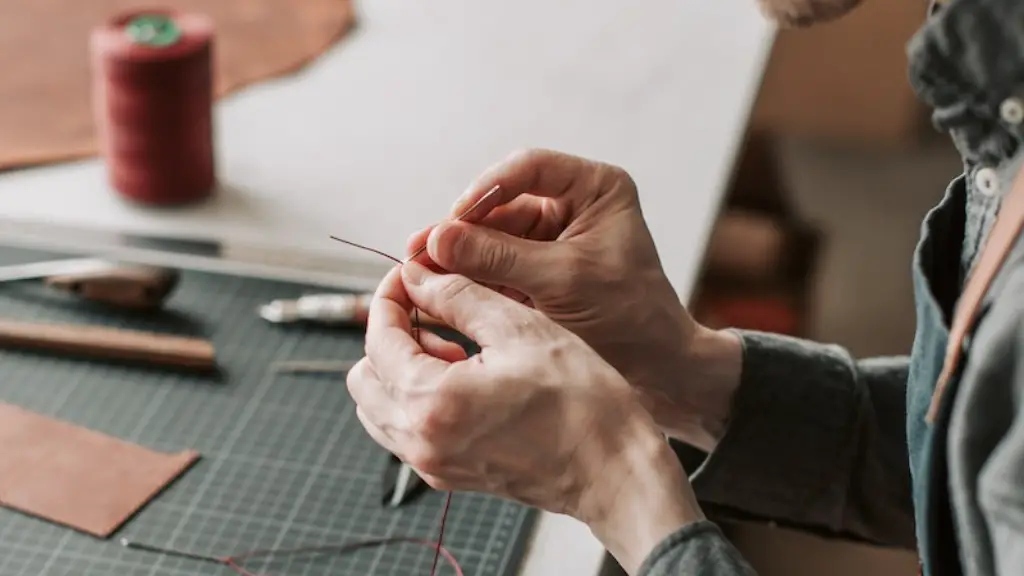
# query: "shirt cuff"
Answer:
x=697 y=548
x=786 y=446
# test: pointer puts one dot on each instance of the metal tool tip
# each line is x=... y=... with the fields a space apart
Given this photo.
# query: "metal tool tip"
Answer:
x=279 y=311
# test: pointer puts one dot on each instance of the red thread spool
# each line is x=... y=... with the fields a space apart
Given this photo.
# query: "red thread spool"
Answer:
x=153 y=104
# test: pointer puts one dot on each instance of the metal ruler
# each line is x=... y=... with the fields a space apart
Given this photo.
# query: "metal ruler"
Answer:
x=217 y=256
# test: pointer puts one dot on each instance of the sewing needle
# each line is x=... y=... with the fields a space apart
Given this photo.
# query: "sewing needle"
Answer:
x=492 y=197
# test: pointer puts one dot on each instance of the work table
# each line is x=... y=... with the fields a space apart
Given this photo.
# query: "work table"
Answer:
x=375 y=139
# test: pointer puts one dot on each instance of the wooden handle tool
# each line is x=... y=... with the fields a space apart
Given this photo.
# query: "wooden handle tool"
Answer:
x=110 y=344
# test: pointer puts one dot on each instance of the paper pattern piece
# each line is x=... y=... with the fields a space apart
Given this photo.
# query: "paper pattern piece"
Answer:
x=78 y=477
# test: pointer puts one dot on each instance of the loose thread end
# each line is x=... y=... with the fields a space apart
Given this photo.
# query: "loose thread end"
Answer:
x=173 y=552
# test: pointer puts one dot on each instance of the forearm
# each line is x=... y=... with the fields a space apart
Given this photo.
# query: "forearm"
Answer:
x=814 y=439
x=645 y=513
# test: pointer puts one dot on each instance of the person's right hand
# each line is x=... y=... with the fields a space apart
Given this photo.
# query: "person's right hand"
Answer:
x=568 y=237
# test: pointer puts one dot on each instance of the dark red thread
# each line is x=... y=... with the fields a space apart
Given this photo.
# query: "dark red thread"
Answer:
x=153 y=105
x=489 y=201
x=440 y=537
x=416 y=334
x=237 y=562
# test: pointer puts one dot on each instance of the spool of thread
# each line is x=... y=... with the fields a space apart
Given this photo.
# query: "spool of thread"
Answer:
x=153 y=105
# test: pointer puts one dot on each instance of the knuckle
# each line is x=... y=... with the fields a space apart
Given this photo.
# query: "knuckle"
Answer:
x=356 y=376
x=453 y=287
x=458 y=240
x=425 y=458
x=442 y=415
x=497 y=258
x=531 y=323
x=620 y=175
x=617 y=179
x=439 y=483
x=525 y=156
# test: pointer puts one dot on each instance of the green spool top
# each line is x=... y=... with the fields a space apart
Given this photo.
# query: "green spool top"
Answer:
x=153 y=30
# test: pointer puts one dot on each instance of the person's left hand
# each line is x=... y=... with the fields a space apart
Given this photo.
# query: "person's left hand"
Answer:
x=537 y=416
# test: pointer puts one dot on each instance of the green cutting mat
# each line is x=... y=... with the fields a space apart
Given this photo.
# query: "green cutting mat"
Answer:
x=284 y=463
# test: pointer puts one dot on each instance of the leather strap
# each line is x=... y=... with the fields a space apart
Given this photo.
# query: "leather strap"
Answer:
x=997 y=246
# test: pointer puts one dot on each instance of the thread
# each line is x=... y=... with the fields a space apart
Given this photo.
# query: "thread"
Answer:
x=439 y=549
x=471 y=214
x=237 y=562
x=153 y=105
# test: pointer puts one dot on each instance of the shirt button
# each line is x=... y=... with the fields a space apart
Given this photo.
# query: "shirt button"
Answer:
x=1012 y=111
x=986 y=181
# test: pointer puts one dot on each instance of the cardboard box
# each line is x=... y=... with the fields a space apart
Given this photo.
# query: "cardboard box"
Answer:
x=846 y=80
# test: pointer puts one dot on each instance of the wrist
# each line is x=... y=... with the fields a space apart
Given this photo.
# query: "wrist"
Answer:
x=716 y=361
x=640 y=496
x=702 y=386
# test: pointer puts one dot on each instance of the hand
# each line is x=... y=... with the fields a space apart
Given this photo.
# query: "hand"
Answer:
x=804 y=13
x=569 y=239
x=536 y=416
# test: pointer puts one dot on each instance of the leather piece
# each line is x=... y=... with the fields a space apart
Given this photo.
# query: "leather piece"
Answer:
x=78 y=477
x=47 y=107
x=110 y=343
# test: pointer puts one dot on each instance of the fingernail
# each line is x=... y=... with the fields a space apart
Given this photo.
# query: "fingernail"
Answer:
x=412 y=236
x=466 y=194
x=457 y=205
x=414 y=272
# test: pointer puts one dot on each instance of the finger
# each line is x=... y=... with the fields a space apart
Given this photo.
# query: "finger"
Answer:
x=440 y=348
x=451 y=480
x=543 y=173
x=379 y=436
x=369 y=393
x=419 y=239
x=492 y=256
x=380 y=414
x=415 y=248
x=390 y=345
x=526 y=217
x=479 y=313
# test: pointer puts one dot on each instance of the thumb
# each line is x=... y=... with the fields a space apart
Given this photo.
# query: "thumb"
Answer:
x=494 y=257
x=477 y=312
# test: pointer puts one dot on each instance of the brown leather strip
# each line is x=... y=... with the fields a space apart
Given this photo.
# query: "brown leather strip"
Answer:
x=998 y=245
x=110 y=343
x=78 y=477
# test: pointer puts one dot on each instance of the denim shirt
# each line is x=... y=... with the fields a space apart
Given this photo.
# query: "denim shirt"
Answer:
x=824 y=442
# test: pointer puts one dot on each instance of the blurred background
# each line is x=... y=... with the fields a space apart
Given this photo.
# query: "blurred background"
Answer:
x=840 y=166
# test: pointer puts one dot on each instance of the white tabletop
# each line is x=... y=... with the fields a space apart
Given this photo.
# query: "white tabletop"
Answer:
x=380 y=135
